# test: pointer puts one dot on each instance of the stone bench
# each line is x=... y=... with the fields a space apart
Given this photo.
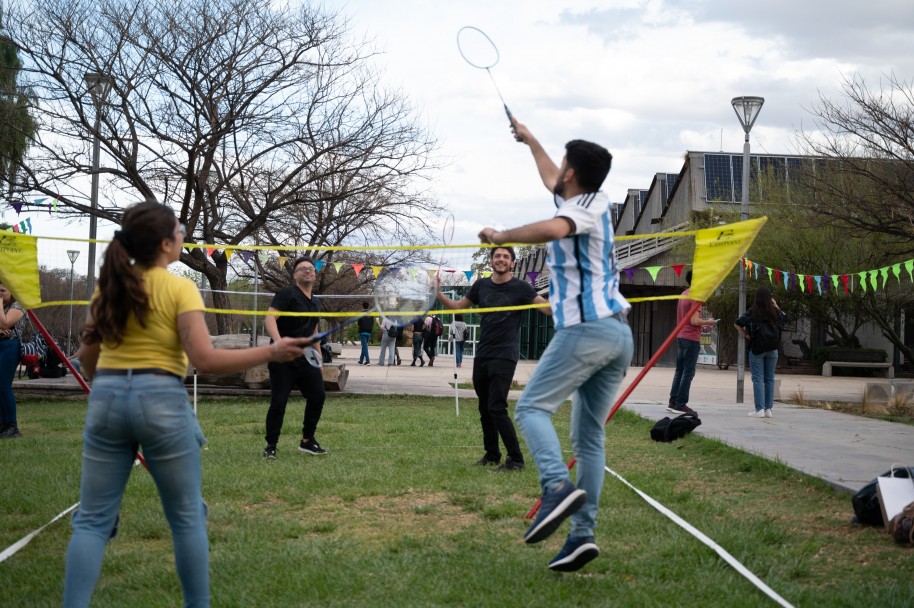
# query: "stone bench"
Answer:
x=884 y=392
x=828 y=365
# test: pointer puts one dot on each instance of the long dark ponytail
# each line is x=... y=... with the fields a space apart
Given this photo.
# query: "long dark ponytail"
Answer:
x=120 y=285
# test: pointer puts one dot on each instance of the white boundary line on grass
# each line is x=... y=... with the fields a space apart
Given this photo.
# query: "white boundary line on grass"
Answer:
x=707 y=541
x=12 y=549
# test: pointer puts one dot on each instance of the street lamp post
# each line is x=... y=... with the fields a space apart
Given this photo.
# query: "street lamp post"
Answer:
x=72 y=254
x=747 y=109
x=99 y=85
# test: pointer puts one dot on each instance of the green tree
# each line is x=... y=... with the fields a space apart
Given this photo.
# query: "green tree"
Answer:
x=17 y=126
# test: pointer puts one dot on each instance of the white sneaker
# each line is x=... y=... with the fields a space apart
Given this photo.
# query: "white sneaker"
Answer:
x=768 y=413
x=757 y=414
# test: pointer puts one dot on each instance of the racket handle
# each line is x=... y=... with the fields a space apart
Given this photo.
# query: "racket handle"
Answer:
x=508 y=112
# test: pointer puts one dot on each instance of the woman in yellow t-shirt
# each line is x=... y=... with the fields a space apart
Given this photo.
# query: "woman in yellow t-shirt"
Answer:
x=141 y=323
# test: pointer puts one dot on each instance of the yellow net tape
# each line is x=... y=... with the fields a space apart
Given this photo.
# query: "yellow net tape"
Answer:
x=717 y=251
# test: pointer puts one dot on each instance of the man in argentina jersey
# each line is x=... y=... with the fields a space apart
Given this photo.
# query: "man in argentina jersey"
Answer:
x=590 y=352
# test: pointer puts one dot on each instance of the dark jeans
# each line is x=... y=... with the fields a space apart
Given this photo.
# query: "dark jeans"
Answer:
x=283 y=378
x=492 y=381
x=363 y=356
x=417 y=347
x=686 y=360
x=9 y=361
x=430 y=346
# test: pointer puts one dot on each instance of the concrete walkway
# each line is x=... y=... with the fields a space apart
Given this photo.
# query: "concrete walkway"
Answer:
x=844 y=450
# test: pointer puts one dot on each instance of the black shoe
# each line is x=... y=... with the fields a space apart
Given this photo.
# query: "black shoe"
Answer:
x=311 y=447
x=680 y=409
x=511 y=465
x=485 y=461
x=431 y=361
x=555 y=507
x=575 y=554
x=421 y=362
x=413 y=364
x=269 y=452
x=11 y=432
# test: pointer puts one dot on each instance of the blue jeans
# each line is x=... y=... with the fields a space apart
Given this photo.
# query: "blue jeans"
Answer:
x=363 y=356
x=9 y=361
x=686 y=360
x=153 y=412
x=762 y=368
x=458 y=350
x=589 y=360
x=388 y=344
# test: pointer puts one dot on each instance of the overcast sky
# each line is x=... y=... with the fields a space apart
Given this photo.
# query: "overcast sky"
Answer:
x=647 y=79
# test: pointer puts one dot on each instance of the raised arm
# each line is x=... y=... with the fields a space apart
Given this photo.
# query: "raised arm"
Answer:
x=548 y=170
x=447 y=302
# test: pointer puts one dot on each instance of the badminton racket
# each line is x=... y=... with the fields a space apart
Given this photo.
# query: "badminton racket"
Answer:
x=479 y=51
x=402 y=295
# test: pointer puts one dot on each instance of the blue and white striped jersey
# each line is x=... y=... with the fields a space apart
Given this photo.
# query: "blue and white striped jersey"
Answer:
x=583 y=270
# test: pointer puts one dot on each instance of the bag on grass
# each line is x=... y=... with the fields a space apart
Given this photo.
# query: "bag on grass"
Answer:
x=867 y=509
x=670 y=429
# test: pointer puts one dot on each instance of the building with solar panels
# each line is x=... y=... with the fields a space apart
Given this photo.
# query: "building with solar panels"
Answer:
x=706 y=181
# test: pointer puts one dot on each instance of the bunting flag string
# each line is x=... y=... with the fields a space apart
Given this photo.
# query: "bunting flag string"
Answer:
x=873 y=280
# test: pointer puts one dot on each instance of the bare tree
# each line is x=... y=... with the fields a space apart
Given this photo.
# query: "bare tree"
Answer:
x=259 y=123
x=865 y=175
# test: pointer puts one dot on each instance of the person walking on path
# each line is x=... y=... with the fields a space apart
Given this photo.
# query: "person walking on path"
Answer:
x=761 y=325
x=297 y=297
x=388 y=342
x=430 y=340
x=458 y=335
x=418 y=329
x=688 y=342
x=497 y=352
x=590 y=351
x=12 y=320
x=366 y=326
x=141 y=322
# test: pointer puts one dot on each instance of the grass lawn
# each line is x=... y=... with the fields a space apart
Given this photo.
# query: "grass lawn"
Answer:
x=396 y=515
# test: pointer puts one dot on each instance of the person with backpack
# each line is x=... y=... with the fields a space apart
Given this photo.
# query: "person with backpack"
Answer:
x=431 y=331
x=761 y=326
x=388 y=341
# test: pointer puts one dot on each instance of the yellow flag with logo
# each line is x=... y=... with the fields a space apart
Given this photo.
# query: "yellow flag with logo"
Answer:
x=19 y=267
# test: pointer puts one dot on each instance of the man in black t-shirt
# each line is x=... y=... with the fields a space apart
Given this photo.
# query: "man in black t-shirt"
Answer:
x=297 y=297
x=497 y=353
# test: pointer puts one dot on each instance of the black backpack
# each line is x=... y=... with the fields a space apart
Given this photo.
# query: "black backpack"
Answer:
x=668 y=429
x=392 y=331
x=866 y=500
x=766 y=339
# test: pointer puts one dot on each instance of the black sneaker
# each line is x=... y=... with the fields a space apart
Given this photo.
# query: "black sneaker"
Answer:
x=510 y=465
x=575 y=554
x=269 y=452
x=485 y=461
x=311 y=447
x=11 y=432
x=680 y=409
x=555 y=507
